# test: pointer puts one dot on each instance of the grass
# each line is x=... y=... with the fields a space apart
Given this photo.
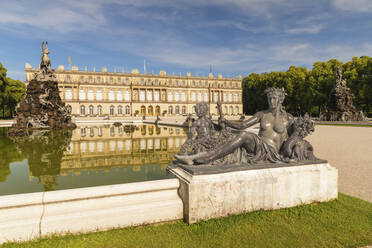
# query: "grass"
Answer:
x=345 y=222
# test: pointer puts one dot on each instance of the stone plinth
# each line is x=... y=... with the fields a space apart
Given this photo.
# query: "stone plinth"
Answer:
x=207 y=196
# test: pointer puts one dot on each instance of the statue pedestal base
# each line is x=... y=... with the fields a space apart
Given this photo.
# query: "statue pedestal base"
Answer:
x=214 y=195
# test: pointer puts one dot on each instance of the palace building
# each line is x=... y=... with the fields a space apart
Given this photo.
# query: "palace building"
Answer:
x=113 y=94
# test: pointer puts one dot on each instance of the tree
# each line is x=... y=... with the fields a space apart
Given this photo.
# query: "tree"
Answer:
x=11 y=92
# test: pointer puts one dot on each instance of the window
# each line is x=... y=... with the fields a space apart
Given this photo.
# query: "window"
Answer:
x=90 y=95
x=176 y=82
x=193 y=96
x=206 y=84
x=119 y=80
x=200 y=83
x=68 y=79
x=149 y=95
x=170 y=82
x=225 y=110
x=100 y=131
x=215 y=96
x=170 y=110
x=224 y=84
x=90 y=80
x=177 y=110
x=98 y=79
x=91 y=110
x=111 y=80
x=199 y=96
x=81 y=79
x=111 y=95
x=112 y=110
x=183 y=83
x=183 y=110
x=112 y=131
x=156 y=95
x=224 y=97
x=170 y=96
x=236 y=110
x=127 y=110
x=91 y=132
x=99 y=110
x=156 y=82
x=149 y=82
x=83 y=132
x=236 y=97
x=99 y=95
x=183 y=96
x=142 y=95
x=82 y=110
x=176 y=96
x=206 y=97
x=127 y=81
x=82 y=95
x=119 y=96
x=193 y=83
x=230 y=97
x=230 y=84
x=68 y=94
x=120 y=110
x=127 y=95
x=231 y=110
x=142 y=81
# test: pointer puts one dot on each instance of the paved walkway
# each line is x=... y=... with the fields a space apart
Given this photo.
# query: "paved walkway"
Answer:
x=349 y=149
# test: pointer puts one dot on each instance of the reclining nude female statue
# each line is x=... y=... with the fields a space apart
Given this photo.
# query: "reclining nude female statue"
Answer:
x=264 y=147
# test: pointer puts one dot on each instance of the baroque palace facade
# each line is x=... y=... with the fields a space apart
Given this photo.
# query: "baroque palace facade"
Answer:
x=112 y=94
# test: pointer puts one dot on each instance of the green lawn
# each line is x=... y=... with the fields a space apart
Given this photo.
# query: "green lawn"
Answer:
x=345 y=222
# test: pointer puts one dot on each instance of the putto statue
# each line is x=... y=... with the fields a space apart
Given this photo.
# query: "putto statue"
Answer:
x=340 y=105
x=42 y=107
x=219 y=144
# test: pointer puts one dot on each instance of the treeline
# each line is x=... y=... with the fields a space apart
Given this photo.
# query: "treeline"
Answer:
x=11 y=92
x=308 y=91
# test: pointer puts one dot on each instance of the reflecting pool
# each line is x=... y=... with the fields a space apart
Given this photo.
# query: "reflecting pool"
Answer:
x=87 y=156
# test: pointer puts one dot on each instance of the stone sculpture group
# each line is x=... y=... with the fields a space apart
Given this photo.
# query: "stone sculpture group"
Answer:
x=42 y=107
x=280 y=138
x=340 y=105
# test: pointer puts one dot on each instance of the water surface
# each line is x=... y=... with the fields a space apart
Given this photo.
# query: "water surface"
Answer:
x=87 y=156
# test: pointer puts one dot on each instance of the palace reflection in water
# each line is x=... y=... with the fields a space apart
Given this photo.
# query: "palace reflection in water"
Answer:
x=91 y=156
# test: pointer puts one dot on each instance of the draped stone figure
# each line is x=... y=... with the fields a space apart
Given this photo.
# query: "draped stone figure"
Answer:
x=247 y=147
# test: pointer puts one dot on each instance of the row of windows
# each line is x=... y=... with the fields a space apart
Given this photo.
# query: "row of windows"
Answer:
x=120 y=145
x=150 y=96
x=156 y=82
x=99 y=110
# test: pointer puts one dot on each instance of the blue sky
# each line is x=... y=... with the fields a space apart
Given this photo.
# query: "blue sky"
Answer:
x=235 y=36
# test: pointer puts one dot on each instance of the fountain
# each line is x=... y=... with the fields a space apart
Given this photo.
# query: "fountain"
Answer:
x=42 y=108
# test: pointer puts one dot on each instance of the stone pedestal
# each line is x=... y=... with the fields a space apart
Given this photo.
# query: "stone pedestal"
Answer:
x=220 y=193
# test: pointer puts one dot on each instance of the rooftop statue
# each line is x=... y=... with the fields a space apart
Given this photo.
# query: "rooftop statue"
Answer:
x=219 y=144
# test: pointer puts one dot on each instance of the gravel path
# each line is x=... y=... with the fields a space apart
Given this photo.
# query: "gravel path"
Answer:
x=349 y=149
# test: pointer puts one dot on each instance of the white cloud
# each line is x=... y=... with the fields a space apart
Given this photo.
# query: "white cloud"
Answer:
x=310 y=29
x=353 y=5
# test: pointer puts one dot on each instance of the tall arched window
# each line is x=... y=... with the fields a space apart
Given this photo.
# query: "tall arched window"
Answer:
x=127 y=110
x=127 y=95
x=91 y=110
x=120 y=110
x=82 y=95
x=170 y=110
x=112 y=110
x=82 y=110
x=119 y=96
x=236 y=110
x=99 y=95
x=68 y=94
x=99 y=110
x=170 y=96
x=111 y=95
x=183 y=110
x=90 y=95
x=231 y=110
x=183 y=96
x=177 y=110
